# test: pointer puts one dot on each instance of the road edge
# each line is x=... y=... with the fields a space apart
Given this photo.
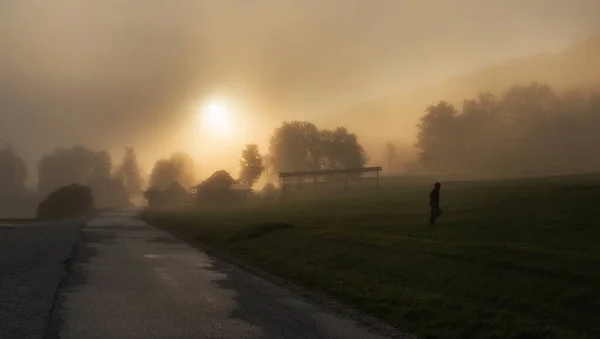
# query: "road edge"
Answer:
x=55 y=320
x=363 y=320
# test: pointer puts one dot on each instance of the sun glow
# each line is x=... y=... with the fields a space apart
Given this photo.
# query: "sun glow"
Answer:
x=217 y=128
x=216 y=118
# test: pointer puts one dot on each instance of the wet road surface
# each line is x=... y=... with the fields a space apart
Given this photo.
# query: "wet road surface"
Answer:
x=129 y=280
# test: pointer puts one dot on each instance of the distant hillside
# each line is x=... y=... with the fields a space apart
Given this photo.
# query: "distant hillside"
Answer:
x=395 y=116
x=576 y=67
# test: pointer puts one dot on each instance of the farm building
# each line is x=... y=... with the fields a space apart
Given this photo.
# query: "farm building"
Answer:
x=220 y=188
x=173 y=194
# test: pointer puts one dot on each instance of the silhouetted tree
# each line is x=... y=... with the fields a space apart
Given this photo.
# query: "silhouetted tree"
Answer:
x=528 y=128
x=79 y=165
x=251 y=165
x=435 y=137
x=186 y=167
x=340 y=149
x=178 y=168
x=298 y=146
x=295 y=146
x=71 y=165
x=129 y=173
x=163 y=174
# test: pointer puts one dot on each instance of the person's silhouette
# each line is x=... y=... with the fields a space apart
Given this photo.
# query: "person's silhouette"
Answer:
x=434 y=203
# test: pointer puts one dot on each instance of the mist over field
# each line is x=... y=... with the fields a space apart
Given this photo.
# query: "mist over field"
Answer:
x=363 y=168
x=110 y=75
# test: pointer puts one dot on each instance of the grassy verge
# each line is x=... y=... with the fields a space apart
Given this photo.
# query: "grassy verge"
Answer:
x=510 y=258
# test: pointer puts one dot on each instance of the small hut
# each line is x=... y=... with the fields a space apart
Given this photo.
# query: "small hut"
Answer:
x=220 y=188
x=173 y=194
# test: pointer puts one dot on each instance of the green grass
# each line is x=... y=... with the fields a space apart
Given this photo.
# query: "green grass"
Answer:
x=509 y=259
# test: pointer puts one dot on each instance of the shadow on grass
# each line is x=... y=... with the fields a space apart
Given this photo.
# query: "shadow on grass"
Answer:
x=257 y=230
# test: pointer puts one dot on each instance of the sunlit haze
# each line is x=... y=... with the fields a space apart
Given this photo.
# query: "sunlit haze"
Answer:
x=363 y=168
x=207 y=77
x=216 y=119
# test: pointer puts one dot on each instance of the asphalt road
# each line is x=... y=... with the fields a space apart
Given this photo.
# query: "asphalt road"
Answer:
x=129 y=280
x=32 y=264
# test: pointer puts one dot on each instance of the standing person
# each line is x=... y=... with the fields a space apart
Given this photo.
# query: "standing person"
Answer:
x=434 y=203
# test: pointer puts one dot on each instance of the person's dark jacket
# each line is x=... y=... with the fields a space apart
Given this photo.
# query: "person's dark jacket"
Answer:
x=434 y=197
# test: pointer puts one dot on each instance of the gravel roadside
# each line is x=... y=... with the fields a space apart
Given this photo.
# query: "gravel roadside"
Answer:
x=32 y=264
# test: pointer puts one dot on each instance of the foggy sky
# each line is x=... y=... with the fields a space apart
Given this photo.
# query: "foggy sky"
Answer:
x=116 y=73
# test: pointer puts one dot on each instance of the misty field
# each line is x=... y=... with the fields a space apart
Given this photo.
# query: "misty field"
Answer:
x=510 y=258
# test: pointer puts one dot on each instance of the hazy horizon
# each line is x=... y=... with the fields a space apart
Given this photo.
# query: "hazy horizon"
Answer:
x=110 y=74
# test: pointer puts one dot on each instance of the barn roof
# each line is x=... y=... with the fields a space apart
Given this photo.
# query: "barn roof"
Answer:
x=219 y=178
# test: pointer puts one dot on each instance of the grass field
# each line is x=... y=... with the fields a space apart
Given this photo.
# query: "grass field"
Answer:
x=509 y=259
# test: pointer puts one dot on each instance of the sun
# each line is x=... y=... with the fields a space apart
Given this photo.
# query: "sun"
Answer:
x=216 y=118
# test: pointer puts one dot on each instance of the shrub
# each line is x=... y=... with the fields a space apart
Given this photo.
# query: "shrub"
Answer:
x=66 y=201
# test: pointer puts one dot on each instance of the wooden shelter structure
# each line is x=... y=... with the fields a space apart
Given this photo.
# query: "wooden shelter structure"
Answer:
x=298 y=178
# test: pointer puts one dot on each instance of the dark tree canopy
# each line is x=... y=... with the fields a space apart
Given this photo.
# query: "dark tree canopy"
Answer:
x=178 y=168
x=80 y=165
x=295 y=146
x=299 y=146
x=435 y=134
x=340 y=149
x=251 y=165
x=527 y=129
x=163 y=174
x=186 y=168
x=71 y=165
x=66 y=201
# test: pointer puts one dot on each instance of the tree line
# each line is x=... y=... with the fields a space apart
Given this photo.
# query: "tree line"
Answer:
x=302 y=146
x=64 y=167
x=294 y=146
x=528 y=128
